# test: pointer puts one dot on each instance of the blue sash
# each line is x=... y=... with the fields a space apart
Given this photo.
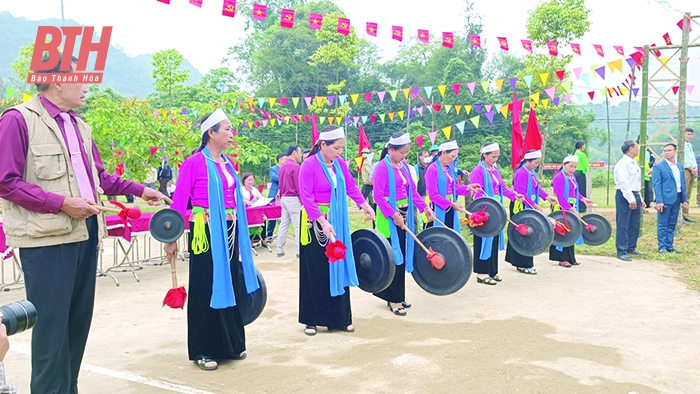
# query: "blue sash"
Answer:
x=442 y=189
x=410 y=243
x=487 y=242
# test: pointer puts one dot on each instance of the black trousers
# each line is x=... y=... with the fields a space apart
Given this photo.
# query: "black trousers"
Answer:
x=648 y=193
x=163 y=188
x=627 y=223
x=60 y=282
x=581 y=180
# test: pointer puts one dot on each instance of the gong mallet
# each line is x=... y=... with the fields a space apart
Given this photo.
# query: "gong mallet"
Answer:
x=131 y=213
x=437 y=261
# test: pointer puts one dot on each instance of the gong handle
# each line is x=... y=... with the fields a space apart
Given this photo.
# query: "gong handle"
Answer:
x=173 y=271
x=417 y=240
x=512 y=222
x=107 y=209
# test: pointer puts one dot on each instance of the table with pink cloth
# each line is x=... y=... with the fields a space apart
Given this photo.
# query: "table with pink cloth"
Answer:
x=7 y=252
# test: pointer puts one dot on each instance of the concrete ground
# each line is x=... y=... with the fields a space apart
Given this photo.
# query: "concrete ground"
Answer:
x=606 y=326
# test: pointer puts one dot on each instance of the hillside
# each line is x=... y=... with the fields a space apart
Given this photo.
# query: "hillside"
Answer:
x=128 y=75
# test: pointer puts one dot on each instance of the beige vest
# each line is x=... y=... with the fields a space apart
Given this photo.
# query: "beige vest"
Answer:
x=48 y=166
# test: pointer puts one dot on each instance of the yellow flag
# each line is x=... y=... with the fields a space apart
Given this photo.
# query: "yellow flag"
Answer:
x=623 y=91
x=250 y=125
x=391 y=115
x=447 y=131
x=533 y=104
x=535 y=97
x=251 y=100
x=458 y=108
x=664 y=61
x=26 y=97
x=499 y=84
x=338 y=119
x=354 y=97
x=405 y=92
x=331 y=120
x=164 y=113
x=401 y=114
x=358 y=161
x=544 y=77
x=467 y=109
x=504 y=111
x=319 y=100
x=273 y=121
x=272 y=101
x=616 y=65
x=441 y=89
x=545 y=103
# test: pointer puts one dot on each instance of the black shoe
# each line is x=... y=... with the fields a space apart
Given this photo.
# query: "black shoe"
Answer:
x=636 y=252
x=674 y=250
x=689 y=220
x=624 y=257
x=405 y=305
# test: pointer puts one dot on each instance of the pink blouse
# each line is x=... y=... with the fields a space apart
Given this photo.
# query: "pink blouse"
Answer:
x=192 y=183
x=431 y=184
x=403 y=182
x=314 y=187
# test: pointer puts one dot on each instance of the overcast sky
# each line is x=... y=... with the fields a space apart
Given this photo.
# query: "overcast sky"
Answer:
x=203 y=35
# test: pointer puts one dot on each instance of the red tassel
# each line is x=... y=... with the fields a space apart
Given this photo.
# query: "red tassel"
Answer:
x=478 y=218
x=523 y=229
x=176 y=298
x=335 y=251
x=590 y=228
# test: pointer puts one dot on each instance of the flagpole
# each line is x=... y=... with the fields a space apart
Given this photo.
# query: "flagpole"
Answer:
x=607 y=112
x=63 y=23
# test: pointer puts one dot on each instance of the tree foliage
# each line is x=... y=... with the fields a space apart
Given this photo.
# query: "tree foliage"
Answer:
x=167 y=72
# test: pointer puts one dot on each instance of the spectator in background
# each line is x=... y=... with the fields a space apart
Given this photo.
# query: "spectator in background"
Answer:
x=424 y=158
x=690 y=170
x=305 y=154
x=649 y=160
x=275 y=179
x=697 y=198
x=670 y=194
x=165 y=173
x=171 y=188
x=628 y=202
x=434 y=151
x=151 y=178
x=581 y=170
x=367 y=177
x=251 y=194
x=291 y=205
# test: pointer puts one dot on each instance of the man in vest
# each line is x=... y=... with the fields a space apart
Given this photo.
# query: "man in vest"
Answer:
x=51 y=181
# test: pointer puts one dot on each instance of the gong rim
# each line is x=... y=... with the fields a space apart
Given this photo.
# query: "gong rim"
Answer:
x=575 y=225
x=496 y=213
x=374 y=260
x=253 y=307
x=166 y=225
x=539 y=240
x=455 y=274
x=603 y=230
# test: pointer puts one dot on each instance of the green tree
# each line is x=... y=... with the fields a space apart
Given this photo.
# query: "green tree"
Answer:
x=221 y=80
x=21 y=68
x=167 y=72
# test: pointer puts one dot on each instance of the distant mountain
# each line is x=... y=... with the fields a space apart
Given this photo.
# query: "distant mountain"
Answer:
x=130 y=76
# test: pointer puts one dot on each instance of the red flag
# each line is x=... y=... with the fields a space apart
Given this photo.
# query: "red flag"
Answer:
x=372 y=29
x=527 y=45
x=423 y=36
x=344 y=26
x=314 y=130
x=229 y=8
x=599 y=50
x=397 y=33
x=419 y=141
x=679 y=24
x=287 y=18
x=475 y=39
x=576 y=48
x=198 y=3
x=533 y=137
x=259 y=12
x=656 y=51
x=448 y=40
x=364 y=142
x=315 y=21
x=168 y=2
x=560 y=74
x=503 y=42
x=553 y=48
x=667 y=38
x=517 y=133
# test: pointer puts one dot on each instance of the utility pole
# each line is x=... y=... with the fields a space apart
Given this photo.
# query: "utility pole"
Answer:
x=63 y=23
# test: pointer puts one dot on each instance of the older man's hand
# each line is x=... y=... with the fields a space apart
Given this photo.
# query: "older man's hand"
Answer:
x=154 y=197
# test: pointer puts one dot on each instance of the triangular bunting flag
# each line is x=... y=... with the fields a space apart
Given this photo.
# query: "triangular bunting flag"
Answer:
x=447 y=131
x=373 y=118
x=690 y=89
x=320 y=100
x=544 y=77
x=401 y=114
x=321 y=119
x=295 y=101
x=393 y=93
x=391 y=115
x=586 y=78
x=535 y=97
x=471 y=86
x=448 y=107
x=432 y=136
x=368 y=97
x=513 y=82
x=477 y=108
x=358 y=161
x=382 y=116
x=485 y=86
x=489 y=116
x=331 y=120
x=545 y=103
x=342 y=98
x=475 y=121
x=616 y=65
x=406 y=91
x=458 y=108
x=415 y=92
x=504 y=111
x=308 y=101
x=355 y=119
x=591 y=94
x=528 y=80
x=499 y=84
x=577 y=72
x=428 y=90
x=381 y=96
x=467 y=109
x=460 y=126
x=455 y=88
x=272 y=101
x=354 y=98
x=261 y=102
x=9 y=92
x=675 y=89
x=560 y=75
x=441 y=89
x=550 y=92
x=331 y=100
x=364 y=119
x=567 y=86
x=250 y=101
x=601 y=72
x=420 y=110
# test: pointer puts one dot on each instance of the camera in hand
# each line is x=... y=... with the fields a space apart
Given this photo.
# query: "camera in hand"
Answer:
x=18 y=316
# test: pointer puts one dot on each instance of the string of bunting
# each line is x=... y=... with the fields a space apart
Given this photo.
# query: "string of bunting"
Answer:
x=288 y=18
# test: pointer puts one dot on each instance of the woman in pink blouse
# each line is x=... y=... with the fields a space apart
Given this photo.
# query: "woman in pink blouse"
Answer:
x=324 y=185
x=218 y=238
x=397 y=199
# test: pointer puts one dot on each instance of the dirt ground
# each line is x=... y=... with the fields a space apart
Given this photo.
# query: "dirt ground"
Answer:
x=606 y=326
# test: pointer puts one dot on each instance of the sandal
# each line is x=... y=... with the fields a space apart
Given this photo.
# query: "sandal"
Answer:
x=405 y=305
x=349 y=328
x=399 y=311
x=487 y=281
x=565 y=264
x=575 y=263
x=310 y=330
x=528 y=271
x=206 y=364
x=497 y=278
x=241 y=356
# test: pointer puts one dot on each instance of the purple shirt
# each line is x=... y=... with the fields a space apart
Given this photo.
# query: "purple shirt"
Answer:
x=14 y=139
x=381 y=189
x=431 y=184
x=289 y=179
x=477 y=176
x=558 y=188
x=314 y=187
x=520 y=180
x=193 y=183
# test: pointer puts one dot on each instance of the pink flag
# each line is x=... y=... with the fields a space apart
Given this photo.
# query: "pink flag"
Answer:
x=368 y=96
x=287 y=18
x=553 y=48
x=397 y=33
x=344 y=26
x=599 y=50
x=372 y=29
x=198 y=3
x=471 y=86
x=229 y=8
x=419 y=141
x=679 y=24
x=315 y=21
x=550 y=92
x=576 y=48
x=283 y=101
x=527 y=45
x=475 y=39
x=259 y=12
x=619 y=50
x=381 y=96
x=423 y=36
x=168 y=2
x=448 y=40
x=432 y=136
x=314 y=130
x=503 y=42
x=455 y=88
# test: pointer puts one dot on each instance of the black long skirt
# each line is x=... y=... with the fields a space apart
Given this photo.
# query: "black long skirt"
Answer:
x=396 y=292
x=515 y=258
x=581 y=180
x=489 y=266
x=567 y=254
x=316 y=306
x=214 y=333
x=449 y=217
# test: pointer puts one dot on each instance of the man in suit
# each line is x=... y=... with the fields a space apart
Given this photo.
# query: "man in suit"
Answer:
x=670 y=192
x=691 y=171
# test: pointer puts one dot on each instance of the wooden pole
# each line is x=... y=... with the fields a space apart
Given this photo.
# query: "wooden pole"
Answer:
x=607 y=113
x=643 y=119
x=682 y=86
x=629 y=107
